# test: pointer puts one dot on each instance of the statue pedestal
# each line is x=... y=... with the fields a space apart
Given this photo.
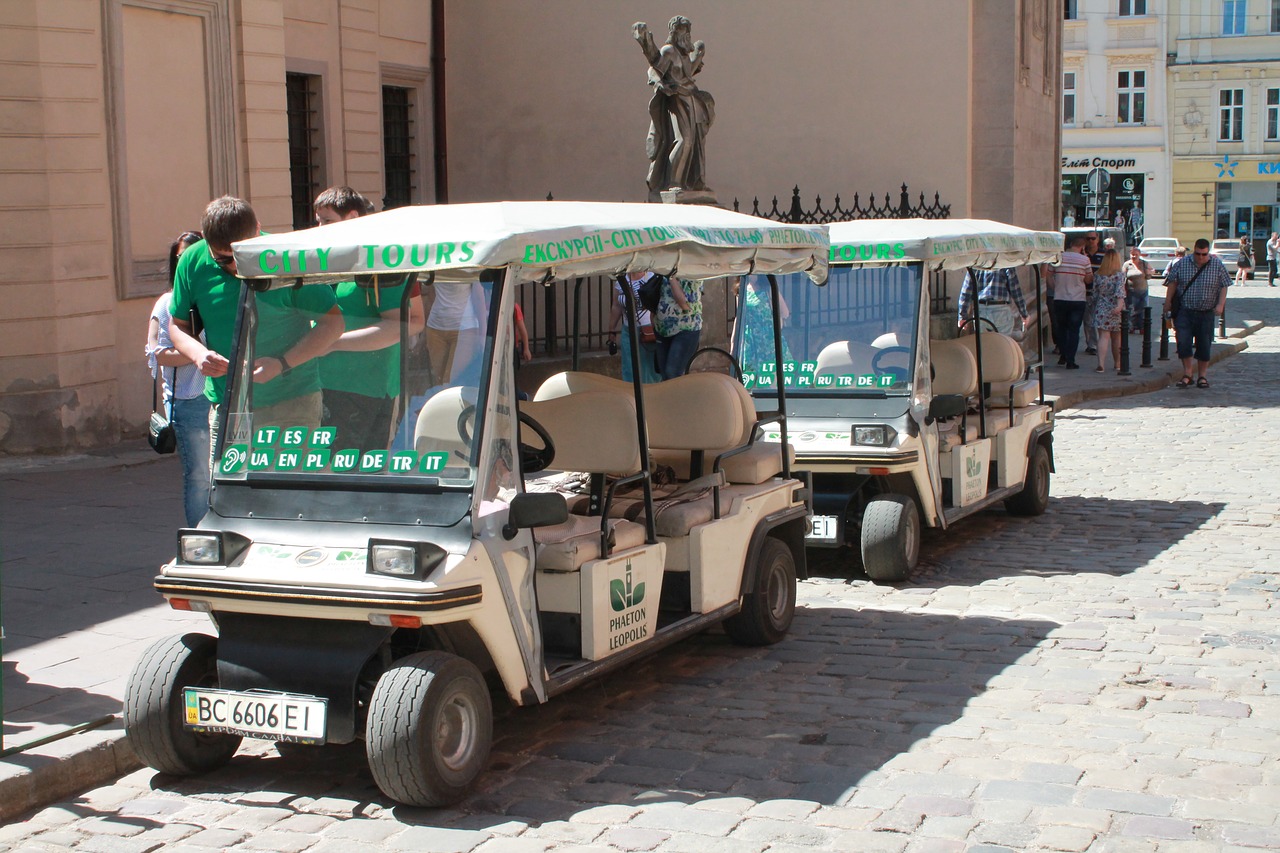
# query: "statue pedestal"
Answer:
x=677 y=195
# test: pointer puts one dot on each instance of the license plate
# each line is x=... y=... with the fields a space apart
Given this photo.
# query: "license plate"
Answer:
x=823 y=528
x=260 y=714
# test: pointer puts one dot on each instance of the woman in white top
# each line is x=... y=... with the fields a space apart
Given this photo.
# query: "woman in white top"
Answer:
x=183 y=395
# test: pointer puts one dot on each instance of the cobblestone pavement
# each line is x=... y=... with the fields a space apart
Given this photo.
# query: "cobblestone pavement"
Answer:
x=1103 y=678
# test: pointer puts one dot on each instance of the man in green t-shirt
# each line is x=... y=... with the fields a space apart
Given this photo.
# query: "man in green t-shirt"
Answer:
x=295 y=325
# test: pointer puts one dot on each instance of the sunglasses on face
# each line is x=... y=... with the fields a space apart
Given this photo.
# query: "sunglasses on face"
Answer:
x=224 y=261
x=1201 y=254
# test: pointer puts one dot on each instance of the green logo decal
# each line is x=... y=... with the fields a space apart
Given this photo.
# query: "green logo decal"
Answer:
x=294 y=437
x=433 y=462
x=323 y=437
x=344 y=461
x=972 y=466
x=403 y=462
x=288 y=460
x=622 y=595
x=266 y=436
x=233 y=459
x=261 y=458
x=315 y=460
x=374 y=460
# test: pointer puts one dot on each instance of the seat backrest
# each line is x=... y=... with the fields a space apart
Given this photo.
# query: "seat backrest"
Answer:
x=697 y=411
x=843 y=358
x=955 y=370
x=576 y=381
x=1002 y=358
x=593 y=431
x=888 y=339
x=437 y=427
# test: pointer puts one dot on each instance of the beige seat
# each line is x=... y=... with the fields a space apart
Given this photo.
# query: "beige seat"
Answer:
x=955 y=370
x=437 y=427
x=594 y=432
x=1004 y=368
x=576 y=381
x=845 y=358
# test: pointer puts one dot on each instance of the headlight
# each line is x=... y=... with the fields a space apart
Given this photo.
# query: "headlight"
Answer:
x=413 y=560
x=875 y=435
x=200 y=549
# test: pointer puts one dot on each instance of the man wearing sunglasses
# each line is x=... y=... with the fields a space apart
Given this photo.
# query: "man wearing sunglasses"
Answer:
x=206 y=280
x=1198 y=285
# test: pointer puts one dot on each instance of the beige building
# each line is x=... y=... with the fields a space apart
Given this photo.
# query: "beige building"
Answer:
x=121 y=118
x=1224 y=96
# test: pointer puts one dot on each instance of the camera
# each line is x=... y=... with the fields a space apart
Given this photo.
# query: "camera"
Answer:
x=613 y=347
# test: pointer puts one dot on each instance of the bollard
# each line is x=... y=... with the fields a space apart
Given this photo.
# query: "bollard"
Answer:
x=1222 y=324
x=1165 y=322
x=1124 y=342
x=1146 y=337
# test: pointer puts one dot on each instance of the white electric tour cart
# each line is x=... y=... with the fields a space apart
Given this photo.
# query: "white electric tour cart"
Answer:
x=899 y=420
x=379 y=583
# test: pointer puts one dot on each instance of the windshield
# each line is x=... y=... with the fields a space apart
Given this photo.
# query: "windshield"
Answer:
x=1159 y=243
x=853 y=337
x=373 y=378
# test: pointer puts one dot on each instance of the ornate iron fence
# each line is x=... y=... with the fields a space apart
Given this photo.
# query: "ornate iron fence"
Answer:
x=819 y=215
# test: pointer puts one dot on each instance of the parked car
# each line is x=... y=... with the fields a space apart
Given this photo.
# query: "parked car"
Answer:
x=1227 y=251
x=1159 y=252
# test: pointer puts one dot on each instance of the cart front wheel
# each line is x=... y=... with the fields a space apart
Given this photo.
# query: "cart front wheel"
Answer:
x=154 y=707
x=890 y=537
x=769 y=607
x=430 y=729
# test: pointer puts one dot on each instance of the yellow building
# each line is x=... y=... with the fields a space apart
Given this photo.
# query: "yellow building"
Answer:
x=1224 y=91
x=120 y=119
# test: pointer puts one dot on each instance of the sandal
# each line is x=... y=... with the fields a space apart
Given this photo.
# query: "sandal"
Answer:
x=1184 y=382
x=1202 y=382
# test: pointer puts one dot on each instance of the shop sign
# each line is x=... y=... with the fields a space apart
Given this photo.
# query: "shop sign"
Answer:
x=1099 y=162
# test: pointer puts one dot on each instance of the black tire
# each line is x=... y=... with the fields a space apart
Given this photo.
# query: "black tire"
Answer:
x=1034 y=497
x=770 y=605
x=890 y=538
x=430 y=729
x=154 y=707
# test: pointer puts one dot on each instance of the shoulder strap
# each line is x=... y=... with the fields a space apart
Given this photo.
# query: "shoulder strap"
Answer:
x=1182 y=291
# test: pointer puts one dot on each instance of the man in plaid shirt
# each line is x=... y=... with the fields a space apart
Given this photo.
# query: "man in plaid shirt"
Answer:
x=996 y=290
x=1201 y=283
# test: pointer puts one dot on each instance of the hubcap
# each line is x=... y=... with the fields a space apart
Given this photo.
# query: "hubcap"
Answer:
x=455 y=735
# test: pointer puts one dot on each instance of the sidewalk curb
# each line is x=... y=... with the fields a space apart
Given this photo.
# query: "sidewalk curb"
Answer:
x=30 y=781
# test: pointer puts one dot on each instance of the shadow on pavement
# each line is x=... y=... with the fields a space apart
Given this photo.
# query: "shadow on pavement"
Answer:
x=1070 y=538
x=806 y=719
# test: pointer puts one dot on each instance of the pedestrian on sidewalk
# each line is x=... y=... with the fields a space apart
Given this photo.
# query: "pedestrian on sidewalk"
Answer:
x=1273 y=258
x=1199 y=285
x=1108 y=303
x=1137 y=272
x=1244 y=261
x=1093 y=251
x=183 y=393
x=1070 y=276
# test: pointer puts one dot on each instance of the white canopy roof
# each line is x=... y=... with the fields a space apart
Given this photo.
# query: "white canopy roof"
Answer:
x=942 y=243
x=540 y=239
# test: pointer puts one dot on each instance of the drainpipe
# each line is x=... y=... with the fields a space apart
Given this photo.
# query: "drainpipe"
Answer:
x=441 y=137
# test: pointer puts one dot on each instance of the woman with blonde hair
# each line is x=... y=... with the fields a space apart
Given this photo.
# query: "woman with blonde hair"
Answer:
x=1108 y=302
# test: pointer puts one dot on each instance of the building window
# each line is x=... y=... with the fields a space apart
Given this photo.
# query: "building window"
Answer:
x=1071 y=12
x=1273 y=115
x=1275 y=16
x=1132 y=89
x=302 y=102
x=1132 y=8
x=1233 y=17
x=1231 y=115
x=397 y=146
x=1069 y=97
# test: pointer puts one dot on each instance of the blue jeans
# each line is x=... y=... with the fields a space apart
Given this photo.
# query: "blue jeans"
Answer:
x=1194 y=331
x=1070 y=315
x=675 y=352
x=191 y=424
x=1136 y=303
x=648 y=371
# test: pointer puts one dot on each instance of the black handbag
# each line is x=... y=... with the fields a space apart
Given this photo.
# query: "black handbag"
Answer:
x=161 y=435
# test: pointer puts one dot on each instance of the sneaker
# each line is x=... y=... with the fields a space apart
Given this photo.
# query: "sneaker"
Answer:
x=1062 y=360
x=1090 y=351
x=1073 y=366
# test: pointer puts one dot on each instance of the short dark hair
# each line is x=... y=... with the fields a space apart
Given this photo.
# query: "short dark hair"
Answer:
x=186 y=239
x=1202 y=243
x=228 y=219
x=1075 y=240
x=342 y=200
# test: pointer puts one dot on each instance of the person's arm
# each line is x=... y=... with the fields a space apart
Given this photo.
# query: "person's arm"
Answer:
x=677 y=294
x=317 y=342
x=164 y=356
x=615 y=317
x=382 y=334
x=966 y=296
x=208 y=362
x=522 y=337
x=1015 y=290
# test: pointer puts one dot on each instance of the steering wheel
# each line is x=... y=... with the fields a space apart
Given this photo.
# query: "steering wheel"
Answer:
x=899 y=373
x=534 y=459
x=985 y=320
x=734 y=366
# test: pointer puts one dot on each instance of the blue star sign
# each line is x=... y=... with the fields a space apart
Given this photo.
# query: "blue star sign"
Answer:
x=1227 y=168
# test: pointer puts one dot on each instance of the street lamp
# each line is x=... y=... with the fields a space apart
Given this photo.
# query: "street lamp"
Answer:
x=1205 y=195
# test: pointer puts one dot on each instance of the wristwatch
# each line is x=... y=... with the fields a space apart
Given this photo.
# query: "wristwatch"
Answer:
x=285 y=366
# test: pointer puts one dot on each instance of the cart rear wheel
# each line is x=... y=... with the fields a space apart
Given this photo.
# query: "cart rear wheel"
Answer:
x=1034 y=497
x=890 y=537
x=154 y=707
x=430 y=729
x=769 y=607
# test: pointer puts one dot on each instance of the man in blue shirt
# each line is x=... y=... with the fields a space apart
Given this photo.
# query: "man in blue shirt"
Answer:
x=1201 y=283
x=998 y=292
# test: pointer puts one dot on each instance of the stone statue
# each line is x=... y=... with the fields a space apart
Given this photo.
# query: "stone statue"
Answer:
x=679 y=112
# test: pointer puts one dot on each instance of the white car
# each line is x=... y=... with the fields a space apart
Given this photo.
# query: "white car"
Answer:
x=1159 y=252
x=1227 y=251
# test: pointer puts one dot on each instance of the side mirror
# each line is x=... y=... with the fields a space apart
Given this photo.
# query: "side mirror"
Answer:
x=946 y=406
x=536 y=509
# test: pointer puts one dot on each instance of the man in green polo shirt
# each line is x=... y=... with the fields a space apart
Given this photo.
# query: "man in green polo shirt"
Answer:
x=295 y=325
